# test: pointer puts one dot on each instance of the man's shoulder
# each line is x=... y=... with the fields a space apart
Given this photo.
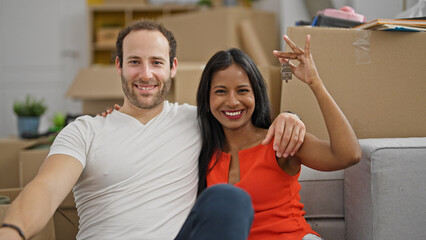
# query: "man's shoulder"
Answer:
x=182 y=108
x=83 y=120
x=86 y=122
x=179 y=113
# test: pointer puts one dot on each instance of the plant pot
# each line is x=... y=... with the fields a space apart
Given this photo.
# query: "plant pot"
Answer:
x=229 y=3
x=28 y=126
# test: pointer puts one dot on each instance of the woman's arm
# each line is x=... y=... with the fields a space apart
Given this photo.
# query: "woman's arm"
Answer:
x=343 y=150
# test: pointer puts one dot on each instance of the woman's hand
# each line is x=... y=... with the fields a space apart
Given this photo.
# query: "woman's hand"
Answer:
x=109 y=110
x=306 y=69
x=288 y=132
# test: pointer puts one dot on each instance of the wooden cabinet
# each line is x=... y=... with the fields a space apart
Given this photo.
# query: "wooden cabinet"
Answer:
x=106 y=20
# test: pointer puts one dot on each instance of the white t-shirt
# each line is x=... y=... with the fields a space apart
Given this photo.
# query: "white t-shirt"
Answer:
x=139 y=181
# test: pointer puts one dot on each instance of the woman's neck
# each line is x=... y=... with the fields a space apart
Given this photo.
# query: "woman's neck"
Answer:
x=243 y=138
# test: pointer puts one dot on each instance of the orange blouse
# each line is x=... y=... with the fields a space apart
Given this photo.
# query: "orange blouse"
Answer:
x=275 y=194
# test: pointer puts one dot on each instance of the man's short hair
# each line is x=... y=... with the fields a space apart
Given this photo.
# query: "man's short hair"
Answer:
x=150 y=25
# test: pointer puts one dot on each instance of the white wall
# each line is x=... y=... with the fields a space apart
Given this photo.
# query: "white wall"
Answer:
x=380 y=8
x=42 y=46
x=291 y=11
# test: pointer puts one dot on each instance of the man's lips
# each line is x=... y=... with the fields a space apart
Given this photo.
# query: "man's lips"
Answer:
x=145 y=87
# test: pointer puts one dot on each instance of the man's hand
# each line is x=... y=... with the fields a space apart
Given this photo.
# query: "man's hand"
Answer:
x=288 y=132
x=9 y=234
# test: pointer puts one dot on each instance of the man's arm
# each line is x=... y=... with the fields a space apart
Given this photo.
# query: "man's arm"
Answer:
x=288 y=132
x=37 y=202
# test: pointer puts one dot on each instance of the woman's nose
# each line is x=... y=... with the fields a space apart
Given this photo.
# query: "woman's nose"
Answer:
x=233 y=100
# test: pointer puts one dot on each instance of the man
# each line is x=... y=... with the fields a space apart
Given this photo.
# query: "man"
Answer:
x=134 y=173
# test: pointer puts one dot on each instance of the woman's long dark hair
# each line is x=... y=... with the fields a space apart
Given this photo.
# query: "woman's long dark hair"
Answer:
x=212 y=133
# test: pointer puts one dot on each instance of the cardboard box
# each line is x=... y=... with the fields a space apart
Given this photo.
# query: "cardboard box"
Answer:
x=30 y=161
x=48 y=232
x=98 y=87
x=200 y=34
x=376 y=77
x=124 y=1
x=272 y=76
x=186 y=82
x=107 y=36
x=65 y=217
x=9 y=160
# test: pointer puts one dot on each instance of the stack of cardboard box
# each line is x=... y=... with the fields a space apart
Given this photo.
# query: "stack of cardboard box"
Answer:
x=19 y=163
x=378 y=80
x=376 y=77
x=47 y=233
x=199 y=35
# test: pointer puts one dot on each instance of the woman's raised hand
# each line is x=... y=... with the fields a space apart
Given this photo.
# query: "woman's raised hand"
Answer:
x=306 y=69
x=109 y=110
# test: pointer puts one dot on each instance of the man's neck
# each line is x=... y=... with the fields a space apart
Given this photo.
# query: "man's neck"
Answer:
x=142 y=115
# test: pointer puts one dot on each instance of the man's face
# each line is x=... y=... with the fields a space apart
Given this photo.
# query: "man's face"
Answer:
x=145 y=73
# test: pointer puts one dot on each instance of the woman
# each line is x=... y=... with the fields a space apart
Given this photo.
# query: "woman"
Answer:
x=234 y=113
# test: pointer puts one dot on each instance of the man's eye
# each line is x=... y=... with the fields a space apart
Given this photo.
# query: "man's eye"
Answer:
x=158 y=63
x=133 y=62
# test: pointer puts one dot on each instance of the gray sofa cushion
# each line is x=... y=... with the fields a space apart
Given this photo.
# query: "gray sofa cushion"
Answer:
x=385 y=194
x=322 y=195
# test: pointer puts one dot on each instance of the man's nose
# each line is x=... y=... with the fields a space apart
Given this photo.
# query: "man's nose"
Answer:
x=145 y=72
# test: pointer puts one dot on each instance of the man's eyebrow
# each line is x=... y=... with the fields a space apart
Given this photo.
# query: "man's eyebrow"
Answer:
x=133 y=57
x=158 y=58
x=151 y=58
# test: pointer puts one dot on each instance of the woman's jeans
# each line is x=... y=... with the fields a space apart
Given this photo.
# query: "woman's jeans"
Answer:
x=221 y=212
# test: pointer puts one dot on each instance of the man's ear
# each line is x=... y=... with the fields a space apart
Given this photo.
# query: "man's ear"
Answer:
x=117 y=65
x=173 y=70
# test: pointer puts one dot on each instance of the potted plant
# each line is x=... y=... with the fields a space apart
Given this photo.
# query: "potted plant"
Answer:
x=29 y=112
x=205 y=3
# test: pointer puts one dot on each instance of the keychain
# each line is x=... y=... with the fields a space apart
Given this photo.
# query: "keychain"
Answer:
x=286 y=72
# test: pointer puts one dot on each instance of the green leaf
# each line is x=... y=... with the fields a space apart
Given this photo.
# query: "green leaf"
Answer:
x=30 y=107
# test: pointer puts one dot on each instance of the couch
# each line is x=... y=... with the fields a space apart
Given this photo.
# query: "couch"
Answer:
x=383 y=197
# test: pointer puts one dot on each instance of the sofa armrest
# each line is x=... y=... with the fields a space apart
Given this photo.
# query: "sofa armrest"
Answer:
x=385 y=193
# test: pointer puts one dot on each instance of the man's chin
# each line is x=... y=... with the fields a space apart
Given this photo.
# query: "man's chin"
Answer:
x=149 y=104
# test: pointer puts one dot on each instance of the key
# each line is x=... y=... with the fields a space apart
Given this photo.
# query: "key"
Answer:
x=286 y=73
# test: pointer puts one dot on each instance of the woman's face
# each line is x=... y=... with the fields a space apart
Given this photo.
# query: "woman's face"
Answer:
x=232 y=99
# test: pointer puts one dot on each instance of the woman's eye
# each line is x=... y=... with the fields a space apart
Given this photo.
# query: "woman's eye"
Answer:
x=219 y=91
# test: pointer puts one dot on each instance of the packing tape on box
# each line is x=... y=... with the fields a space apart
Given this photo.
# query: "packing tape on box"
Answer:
x=362 y=47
